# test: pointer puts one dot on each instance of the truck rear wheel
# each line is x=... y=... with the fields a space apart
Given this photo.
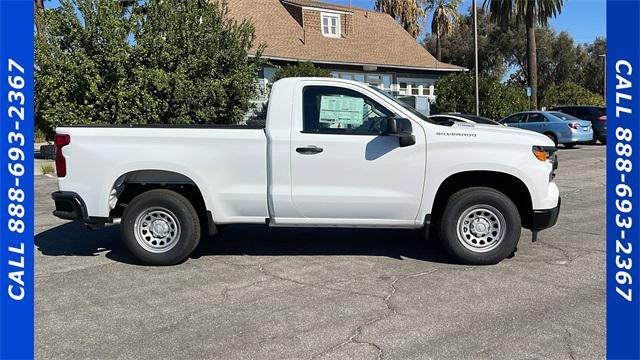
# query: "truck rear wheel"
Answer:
x=160 y=227
x=480 y=226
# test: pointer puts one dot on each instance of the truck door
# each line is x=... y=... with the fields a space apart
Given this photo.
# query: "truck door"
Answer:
x=343 y=170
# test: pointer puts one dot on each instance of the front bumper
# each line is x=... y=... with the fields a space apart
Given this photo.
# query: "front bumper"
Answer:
x=544 y=219
x=69 y=206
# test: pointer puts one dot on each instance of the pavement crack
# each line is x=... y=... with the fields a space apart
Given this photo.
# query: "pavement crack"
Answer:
x=579 y=231
x=64 y=272
x=224 y=294
x=566 y=253
x=567 y=340
x=562 y=251
x=265 y=272
x=390 y=311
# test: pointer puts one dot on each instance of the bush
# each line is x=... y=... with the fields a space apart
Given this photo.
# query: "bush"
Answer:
x=151 y=62
x=47 y=168
x=304 y=69
x=569 y=93
x=455 y=93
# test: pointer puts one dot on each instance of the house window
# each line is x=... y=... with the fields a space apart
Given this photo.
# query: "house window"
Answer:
x=330 y=25
x=382 y=81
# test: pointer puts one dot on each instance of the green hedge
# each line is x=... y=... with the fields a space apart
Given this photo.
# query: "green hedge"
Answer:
x=569 y=93
x=455 y=93
x=304 y=69
x=157 y=61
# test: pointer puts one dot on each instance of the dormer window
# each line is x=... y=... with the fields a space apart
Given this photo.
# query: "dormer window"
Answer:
x=330 y=24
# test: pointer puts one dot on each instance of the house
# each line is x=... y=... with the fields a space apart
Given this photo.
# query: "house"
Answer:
x=352 y=43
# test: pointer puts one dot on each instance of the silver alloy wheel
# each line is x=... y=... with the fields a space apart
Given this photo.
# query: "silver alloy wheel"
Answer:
x=481 y=228
x=157 y=230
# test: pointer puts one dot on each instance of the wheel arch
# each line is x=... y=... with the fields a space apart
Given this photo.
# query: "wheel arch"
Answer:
x=552 y=133
x=130 y=184
x=508 y=184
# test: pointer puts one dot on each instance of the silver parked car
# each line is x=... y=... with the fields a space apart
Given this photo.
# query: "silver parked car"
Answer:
x=559 y=127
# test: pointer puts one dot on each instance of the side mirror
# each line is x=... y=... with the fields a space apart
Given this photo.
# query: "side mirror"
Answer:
x=401 y=128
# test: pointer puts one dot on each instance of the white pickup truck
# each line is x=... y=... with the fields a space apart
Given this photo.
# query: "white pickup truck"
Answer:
x=333 y=153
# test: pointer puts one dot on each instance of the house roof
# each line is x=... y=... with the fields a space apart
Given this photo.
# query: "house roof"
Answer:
x=318 y=4
x=376 y=38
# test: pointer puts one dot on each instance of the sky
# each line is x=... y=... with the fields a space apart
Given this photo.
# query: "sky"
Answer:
x=585 y=20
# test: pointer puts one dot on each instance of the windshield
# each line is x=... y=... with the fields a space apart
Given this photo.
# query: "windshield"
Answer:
x=404 y=105
x=563 y=116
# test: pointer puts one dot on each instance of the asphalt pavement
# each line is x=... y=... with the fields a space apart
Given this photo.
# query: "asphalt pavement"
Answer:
x=255 y=292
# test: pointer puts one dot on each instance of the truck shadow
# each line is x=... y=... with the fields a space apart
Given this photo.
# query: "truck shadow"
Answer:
x=74 y=239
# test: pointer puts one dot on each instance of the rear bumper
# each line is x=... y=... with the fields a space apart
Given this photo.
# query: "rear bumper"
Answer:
x=581 y=136
x=544 y=219
x=600 y=129
x=69 y=206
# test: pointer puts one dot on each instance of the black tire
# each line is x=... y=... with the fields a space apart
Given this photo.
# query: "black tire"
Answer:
x=553 y=138
x=569 y=145
x=479 y=200
x=175 y=216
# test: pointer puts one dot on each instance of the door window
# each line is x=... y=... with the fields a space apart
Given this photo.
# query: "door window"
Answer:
x=440 y=119
x=514 y=119
x=335 y=110
x=570 y=111
x=581 y=113
x=536 y=118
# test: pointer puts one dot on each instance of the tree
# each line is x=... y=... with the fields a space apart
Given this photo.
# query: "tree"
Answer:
x=503 y=50
x=557 y=58
x=497 y=100
x=152 y=62
x=457 y=48
x=445 y=17
x=592 y=65
x=570 y=93
x=38 y=7
x=531 y=12
x=303 y=69
x=409 y=13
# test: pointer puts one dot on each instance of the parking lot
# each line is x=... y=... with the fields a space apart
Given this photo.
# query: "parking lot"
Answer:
x=255 y=292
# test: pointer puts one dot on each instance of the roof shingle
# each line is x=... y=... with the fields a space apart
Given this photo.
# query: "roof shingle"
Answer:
x=376 y=39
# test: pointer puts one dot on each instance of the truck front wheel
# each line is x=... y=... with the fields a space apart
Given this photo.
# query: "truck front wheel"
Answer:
x=160 y=227
x=480 y=226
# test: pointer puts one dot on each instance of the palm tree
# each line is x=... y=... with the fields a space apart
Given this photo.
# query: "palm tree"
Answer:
x=445 y=16
x=408 y=12
x=532 y=12
x=38 y=7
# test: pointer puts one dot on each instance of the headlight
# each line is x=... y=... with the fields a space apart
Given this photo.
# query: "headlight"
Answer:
x=544 y=153
x=547 y=153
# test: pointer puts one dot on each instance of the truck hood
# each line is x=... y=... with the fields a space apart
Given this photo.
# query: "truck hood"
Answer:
x=501 y=134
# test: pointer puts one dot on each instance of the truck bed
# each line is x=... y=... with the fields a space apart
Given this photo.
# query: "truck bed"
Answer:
x=227 y=163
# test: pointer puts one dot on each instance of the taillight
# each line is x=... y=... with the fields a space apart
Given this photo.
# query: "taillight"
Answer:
x=602 y=118
x=60 y=141
x=574 y=126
